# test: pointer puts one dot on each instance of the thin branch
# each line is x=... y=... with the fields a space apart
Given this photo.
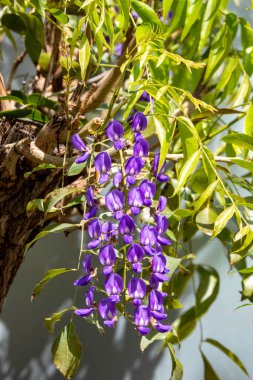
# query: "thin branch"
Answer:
x=15 y=65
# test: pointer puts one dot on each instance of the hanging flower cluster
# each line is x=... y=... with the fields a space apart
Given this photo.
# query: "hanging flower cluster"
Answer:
x=130 y=251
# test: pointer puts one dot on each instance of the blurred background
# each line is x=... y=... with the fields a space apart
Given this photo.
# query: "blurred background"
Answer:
x=25 y=343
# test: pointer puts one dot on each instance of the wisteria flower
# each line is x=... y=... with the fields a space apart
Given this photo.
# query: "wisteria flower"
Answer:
x=114 y=201
x=78 y=144
x=107 y=310
x=115 y=132
x=109 y=231
x=139 y=122
x=162 y=224
x=107 y=257
x=103 y=164
x=148 y=235
x=141 y=147
x=91 y=213
x=135 y=200
x=89 y=273
x=117 y=179
x=156 y=300
x=162 y=203
x=133 y=167
x=159 y=176
x=142 y=318
x=94 y=230
x=148 y=190
x=127 y=228
x=114 y=286
x=159 y=270
x=90 y=199
x=135 y=255
x=89 y=299
x=136 y=290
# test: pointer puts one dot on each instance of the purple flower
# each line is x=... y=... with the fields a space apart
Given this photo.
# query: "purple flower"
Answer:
x=162 y=224
x=117 y=179
x=136 y=290
x=107 y=310
x=109 y=231
x=161 y=328
x=135 y=254
x=159 y=269
x=114 y=286
x=88 y=272
x=141 y=147
x=148 y=235
x=162 y=203
x=127 y=228
x=156 y=304
x=107 y=257
x=145 y=96
x=103 y=164
x=142 y=319
x=78 y=143
x=89 y=299
x=139 y=122
x=94 y=230
x=90 y=196
x=114 y=201
x=134 y=165
x=159 y=176
x=115 y=132
x=119 y=49
x=148 y=190
x=91 y=213
x=135 y=200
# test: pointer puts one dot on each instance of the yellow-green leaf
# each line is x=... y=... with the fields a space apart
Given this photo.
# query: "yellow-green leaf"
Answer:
x=222 y=220
x=192 y=13
x=205 y=196
x=211 y=9
x=84 y=57
x=187 y=170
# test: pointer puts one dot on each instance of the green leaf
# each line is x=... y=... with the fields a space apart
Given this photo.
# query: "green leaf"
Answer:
x=40 y=101
x=177 y=368
x=56 y=196
x=222 y=220
x=166 y=7
x=38 y=168
x=248 y=124
x=230 y=65
x=192 y=13
x=52 y=228
x=47 y=277
x=206 y=294
x=25 y=113
x=146 y=13
x=246 y=270
x=84 y=58
x=67 y=351
x=165 y=132
x=187 y=170
x=211 y=10
x=248 y=165
x=242 y=92
x=59 y=15
x=209 y=373
x=205 y=220
x=34 y=36
x=125 y=10
x=205 y=196
x=229 y=353
x=219 y=49
x=56 y=317
x=239 y=139
x=14 y=22
x=189 y=136
x=76 y=169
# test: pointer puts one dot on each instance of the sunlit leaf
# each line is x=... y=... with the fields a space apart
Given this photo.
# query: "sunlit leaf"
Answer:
x=187 y=170
x=177 y=368
x=209 y=372
x=222 y=220
x=51 y=321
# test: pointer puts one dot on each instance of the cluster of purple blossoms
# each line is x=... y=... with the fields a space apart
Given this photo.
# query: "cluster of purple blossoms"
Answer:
x=123 y=242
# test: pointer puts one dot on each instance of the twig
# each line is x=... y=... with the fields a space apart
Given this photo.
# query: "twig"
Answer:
x=15 y=65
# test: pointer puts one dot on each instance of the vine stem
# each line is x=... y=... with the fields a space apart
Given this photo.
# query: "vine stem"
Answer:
x=122 y=162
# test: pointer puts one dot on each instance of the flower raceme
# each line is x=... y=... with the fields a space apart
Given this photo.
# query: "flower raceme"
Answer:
x=130 y=251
